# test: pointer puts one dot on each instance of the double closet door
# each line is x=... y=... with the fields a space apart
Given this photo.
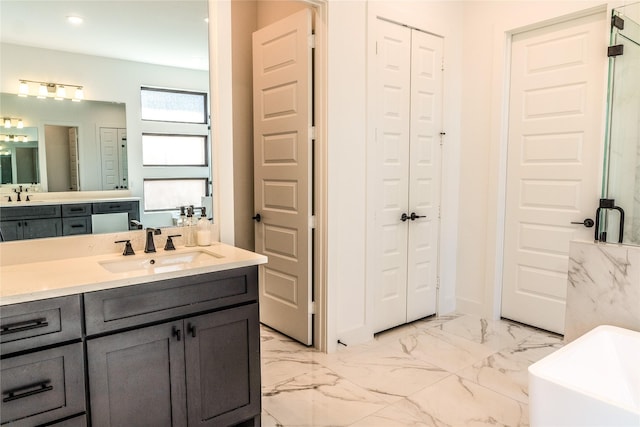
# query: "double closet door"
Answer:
x=406 y=170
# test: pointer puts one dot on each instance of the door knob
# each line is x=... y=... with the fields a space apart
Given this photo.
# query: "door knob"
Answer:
x=413 y=216
x=404 y=217
x=587 y=222
x=257 y=218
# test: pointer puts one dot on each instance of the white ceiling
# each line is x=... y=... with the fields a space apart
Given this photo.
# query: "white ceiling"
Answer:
x=165 y=32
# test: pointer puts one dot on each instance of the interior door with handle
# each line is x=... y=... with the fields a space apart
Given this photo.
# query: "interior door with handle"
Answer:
x=282 y=103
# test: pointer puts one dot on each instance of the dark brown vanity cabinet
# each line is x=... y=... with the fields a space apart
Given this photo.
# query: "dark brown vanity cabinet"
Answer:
x=39 y=220
x=202 y=370
x=42 y=376
x=30 y=222
x=178 y=352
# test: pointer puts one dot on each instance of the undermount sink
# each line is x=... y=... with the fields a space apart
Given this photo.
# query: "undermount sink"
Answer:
x=161 y=263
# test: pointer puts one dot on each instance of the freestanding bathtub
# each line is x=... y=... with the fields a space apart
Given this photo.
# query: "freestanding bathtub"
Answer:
x=592 y=381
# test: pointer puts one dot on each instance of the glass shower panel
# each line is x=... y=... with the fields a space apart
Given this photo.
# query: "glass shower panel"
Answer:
x=622 y=161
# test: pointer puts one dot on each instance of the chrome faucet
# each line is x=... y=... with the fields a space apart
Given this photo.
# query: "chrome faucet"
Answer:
x=150 y=245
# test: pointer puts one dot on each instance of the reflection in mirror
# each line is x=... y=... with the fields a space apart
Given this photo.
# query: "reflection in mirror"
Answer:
x=78 y=139
x=19 y=156
x=111 y=55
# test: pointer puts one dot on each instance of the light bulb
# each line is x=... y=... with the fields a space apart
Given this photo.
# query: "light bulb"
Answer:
x=20 y=124
x=42 y=91
x=6 y=138
x=23 y=89
x=61 y=92
x=79 y=95
x=25 y=138
x=7 y=123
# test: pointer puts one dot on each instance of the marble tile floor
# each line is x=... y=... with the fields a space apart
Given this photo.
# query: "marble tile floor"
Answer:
x=454 y=370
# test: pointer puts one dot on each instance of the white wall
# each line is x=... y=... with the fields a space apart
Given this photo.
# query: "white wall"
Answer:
x=103 y=79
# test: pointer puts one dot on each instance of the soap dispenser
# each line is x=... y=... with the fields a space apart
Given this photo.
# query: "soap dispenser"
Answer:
x=204 y=232
x=190 y=225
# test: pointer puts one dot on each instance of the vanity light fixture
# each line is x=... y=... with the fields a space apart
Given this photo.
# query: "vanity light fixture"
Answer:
x=51 y=90
x=14 y=138
x=8 y=123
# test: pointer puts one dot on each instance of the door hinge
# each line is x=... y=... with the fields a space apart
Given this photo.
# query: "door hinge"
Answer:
x=442 y=134
x=439 y=212
x=438 y=282
x=312 y=307
x=376 y=48
x=312 y=132
x=617 y=22
x=616 y=50
x=312 y=41
x=312 y=221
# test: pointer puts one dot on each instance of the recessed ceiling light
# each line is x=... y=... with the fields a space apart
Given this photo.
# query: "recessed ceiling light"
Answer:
x=75 y=20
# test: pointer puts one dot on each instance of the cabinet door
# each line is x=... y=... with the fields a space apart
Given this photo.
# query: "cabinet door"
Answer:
x=136 y=378
x=222 y=355
x=37 y=228
x=11 y=230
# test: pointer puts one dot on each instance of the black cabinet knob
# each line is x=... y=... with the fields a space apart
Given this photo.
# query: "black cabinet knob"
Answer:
x=257 y=218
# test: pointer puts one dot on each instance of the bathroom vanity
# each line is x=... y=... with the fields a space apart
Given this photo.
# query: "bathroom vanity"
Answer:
x=164 y=339
x=37 y=219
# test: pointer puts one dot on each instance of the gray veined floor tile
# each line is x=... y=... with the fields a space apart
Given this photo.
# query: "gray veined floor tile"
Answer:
x=385 y=370
x=455 y=370
x=496 y=334
x=455 y=401
x=501 y=372
x=320 y=398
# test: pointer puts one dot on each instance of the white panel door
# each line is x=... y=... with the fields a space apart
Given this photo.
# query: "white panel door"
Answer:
x=424 y=174
x=109 y=157
x=407 y=165
x=282 y=85
x=392 y=162
x=556 y=111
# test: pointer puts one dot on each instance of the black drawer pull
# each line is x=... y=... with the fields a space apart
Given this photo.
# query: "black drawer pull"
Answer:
x=24 y=326
x=77 y=226
x=27 y=391
x=76 y=209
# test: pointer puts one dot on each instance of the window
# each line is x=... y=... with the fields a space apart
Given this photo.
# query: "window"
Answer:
x=174 y=150
x=169 y=194
x=173 y=106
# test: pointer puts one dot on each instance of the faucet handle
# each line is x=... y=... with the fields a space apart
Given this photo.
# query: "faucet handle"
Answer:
x=169 y=246
x=128 y=249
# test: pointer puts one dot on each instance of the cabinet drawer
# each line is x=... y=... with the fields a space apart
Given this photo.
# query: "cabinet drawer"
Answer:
x=43 y=386
x=110 y=207
x=151 y=302
x=30 y=212
x=78 y=225
x=79 y=209
x=39 y=323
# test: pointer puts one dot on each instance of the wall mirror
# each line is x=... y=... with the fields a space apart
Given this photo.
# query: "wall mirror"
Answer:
x=622 y=154
x=116 y=48
x=94 y=128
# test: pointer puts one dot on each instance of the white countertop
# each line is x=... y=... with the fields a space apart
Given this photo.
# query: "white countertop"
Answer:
x=48 y=279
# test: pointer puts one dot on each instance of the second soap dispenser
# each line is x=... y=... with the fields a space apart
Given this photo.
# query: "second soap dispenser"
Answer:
x=204 y=231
